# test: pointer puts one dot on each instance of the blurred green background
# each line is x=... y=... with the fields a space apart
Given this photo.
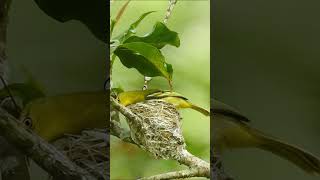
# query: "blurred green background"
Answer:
x=266 y=63
x=63 y=57
x=191 y=77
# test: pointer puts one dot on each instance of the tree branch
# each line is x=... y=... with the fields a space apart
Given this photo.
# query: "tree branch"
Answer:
x=192 y=161
x=198 y=168
x=116 y=129
x=12 y=162
x=123 y=110
x=188 y=173
x=44 y=154
x=121 y=133
x=217 y=171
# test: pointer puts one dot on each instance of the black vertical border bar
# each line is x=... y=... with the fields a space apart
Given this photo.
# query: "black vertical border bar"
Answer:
x=107 y=88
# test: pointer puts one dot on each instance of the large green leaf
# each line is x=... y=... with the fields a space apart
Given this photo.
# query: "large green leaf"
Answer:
x=144 y=57
x=160 y=36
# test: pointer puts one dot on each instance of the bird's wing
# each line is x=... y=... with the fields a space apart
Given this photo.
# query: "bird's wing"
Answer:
x=164 y=94
x=221 y=108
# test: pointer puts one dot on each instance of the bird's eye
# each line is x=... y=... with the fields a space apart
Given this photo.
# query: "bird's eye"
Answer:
x=27 y=122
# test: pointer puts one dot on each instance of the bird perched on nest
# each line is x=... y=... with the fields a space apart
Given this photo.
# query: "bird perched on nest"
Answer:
x=131 y=97
x=53 y=116
x=231 y=129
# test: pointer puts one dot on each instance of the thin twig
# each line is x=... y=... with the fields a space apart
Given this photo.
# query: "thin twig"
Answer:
x=188 y=173
x=169 y=11
x=172 y=3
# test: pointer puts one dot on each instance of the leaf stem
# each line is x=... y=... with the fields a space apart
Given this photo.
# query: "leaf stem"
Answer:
x=118 y=17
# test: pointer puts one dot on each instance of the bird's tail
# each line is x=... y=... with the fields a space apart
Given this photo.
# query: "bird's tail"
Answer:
x=299 y=157
x=201 y=110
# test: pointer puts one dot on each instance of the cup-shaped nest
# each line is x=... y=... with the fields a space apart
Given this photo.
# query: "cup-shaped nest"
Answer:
x=88 y=150
x=158 y=130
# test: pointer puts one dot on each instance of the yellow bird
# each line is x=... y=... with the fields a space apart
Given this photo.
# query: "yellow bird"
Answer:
x=52 y=117
x=232 y=130
x=179 y=101
x=131 y=97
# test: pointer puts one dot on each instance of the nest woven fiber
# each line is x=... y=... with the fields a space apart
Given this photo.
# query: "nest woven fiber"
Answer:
x=88 y=150
x=159 y=131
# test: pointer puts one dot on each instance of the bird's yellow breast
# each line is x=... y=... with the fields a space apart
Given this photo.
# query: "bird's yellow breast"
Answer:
x=130 y=98
x=54 y=116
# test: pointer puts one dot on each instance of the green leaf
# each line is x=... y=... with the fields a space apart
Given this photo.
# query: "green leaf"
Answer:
x=160 y=36
x=144 y=57
x=132 y=28
x=117 y=90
